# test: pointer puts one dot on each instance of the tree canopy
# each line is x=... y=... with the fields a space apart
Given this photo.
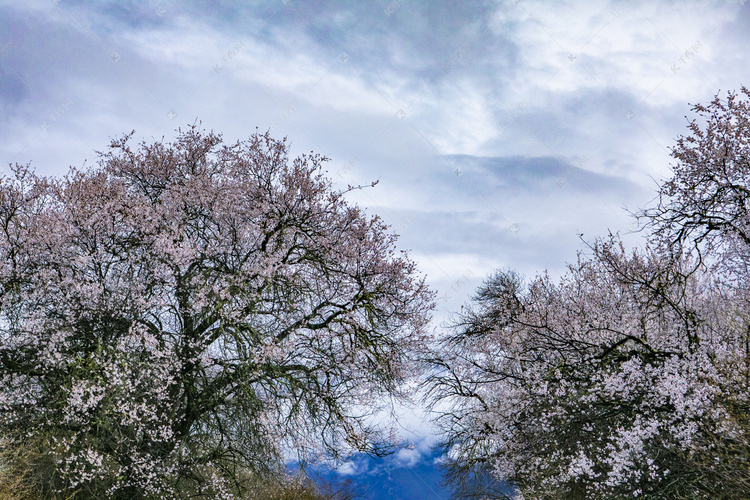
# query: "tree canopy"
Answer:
x=186 y=310
x=630 y=377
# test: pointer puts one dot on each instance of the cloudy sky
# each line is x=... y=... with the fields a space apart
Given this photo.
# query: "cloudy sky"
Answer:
x=498 y=131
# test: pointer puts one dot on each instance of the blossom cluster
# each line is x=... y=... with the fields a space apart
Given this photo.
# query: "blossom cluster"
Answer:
x=630 y=377
x=185 y=311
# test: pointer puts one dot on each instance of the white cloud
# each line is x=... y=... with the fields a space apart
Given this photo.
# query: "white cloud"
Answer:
x=351 y=468
x=407 y=457
x=622 y=45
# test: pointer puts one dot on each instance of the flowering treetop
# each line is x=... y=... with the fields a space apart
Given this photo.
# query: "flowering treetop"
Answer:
x=194 y=306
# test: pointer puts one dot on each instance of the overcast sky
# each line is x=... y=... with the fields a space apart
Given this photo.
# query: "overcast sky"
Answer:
x=498 y=131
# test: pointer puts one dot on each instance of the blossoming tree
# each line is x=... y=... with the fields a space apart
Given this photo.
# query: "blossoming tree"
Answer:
x=187 y=310
x=631 y=376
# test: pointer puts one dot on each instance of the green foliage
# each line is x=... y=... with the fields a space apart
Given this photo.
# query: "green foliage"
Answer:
x=28 y=473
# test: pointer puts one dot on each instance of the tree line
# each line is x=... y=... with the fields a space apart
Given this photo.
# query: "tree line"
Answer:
x=180 y=319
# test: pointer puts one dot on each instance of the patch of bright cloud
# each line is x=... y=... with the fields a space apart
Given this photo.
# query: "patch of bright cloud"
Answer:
x=352 y=468
x=407 y=457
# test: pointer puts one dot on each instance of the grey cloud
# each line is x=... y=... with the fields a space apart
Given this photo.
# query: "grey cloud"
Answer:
x=536 y=173
x=12 y=88
x=427 y=42
x=49 y=53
